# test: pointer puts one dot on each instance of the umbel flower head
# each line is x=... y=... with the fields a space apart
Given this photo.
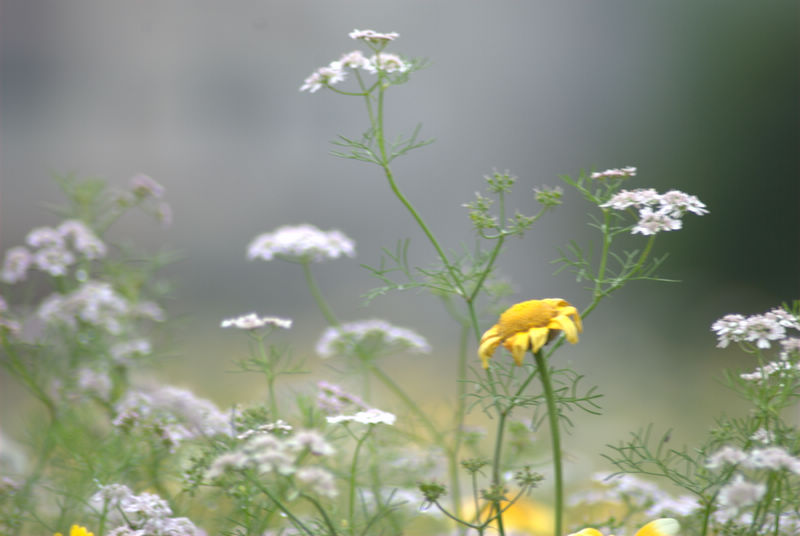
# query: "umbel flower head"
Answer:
x=529 y=326
x=666 y=526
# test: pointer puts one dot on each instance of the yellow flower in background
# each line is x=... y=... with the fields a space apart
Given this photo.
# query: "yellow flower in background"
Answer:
x=76 y=531
x=529 y=326
x=665 y=526
x=525 y=516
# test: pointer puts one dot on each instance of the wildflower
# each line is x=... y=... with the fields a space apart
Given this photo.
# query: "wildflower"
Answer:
x=371 y=36
x=253 y=321
x=370 y=416
x=388 y=63
x=343 y=339
x=44 y=237
x=15 y=265
x=311 y=440
x=94 y=302
x=77 y=530
x=139 y=514
x=651 y=222
x=724 y=456
x=174 y=414
x=83 y=239
x=529 y=326
x=740 y=493
x=143 y=186
x=333 y=399
x=657 y=212
x=729 y=328
x=761 y=329
x=123 y=351
x=666 y=526
x=53 y=260
x=319 y=480
x=355 y=60
x=324 y=76
x=301 y=243
x=621 y=173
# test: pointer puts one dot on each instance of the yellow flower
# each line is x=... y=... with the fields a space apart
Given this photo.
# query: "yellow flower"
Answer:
x=525 y=516
x=529 y=326
x=665 y=526
x=76 y=531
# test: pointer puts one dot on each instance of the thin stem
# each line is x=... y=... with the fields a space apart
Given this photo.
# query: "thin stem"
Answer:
x=353 y=466
x=322 y=512
x=498 y=448
x=409 y=402
x=555 y=436
x=315 y=292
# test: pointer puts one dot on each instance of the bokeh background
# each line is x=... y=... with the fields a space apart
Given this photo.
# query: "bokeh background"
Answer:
x=203 y=96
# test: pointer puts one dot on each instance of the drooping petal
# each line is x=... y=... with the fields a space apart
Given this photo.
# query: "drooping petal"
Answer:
x=538 y=338
x=489 y=343
x=518 y=344
x=666 y=526
x=566 y=325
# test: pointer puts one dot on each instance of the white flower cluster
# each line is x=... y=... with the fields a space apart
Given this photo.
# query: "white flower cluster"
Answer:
x=345 y=338
x=370 y=416
x=332 y=399
x=628 y=489
x=770 y=458
x=139 y=515
x=174 y=414
x=95 y=303
x=616 y=173
x=336 y=71
x=756 y=329
x=735 y=495
x=657 y=212
x=253 y=321
x=267 y=453
x=372 y=36
x=300 y=243
x=52 y=250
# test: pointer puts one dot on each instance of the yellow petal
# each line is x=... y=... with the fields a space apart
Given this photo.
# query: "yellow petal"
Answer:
x=587 y=532
x=518 y=344
x=565 y=324
x=538 y=338
x=489 y=343
x=666 y=526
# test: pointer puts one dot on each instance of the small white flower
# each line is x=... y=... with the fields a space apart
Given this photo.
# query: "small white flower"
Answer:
x=677 y=203
x=621 y=173
x=370 y=416
x=724 y=456
x=388 y=63
x=762 y=329
x=143 y=186
x=253 y=321
x=83 y=239
x=44 y=237
x=53 y=260
x=355 y=60
x=15 y=265
x=729 y=328
x=651 y=222
x=324 y=76
x=372 y=36
x=320 y=480
x=342 y=339
x=301 y=243
x=740 y=493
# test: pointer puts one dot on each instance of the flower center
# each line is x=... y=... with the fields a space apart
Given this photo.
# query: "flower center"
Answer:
x=524 y=316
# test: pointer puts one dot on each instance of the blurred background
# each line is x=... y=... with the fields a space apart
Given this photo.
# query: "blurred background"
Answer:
x=701 y=96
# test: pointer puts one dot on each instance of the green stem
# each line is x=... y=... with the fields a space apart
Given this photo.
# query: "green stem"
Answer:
x=353 y=466
x=299 y=524
x=322 y=512
x=315 y=292
x=555 y=435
